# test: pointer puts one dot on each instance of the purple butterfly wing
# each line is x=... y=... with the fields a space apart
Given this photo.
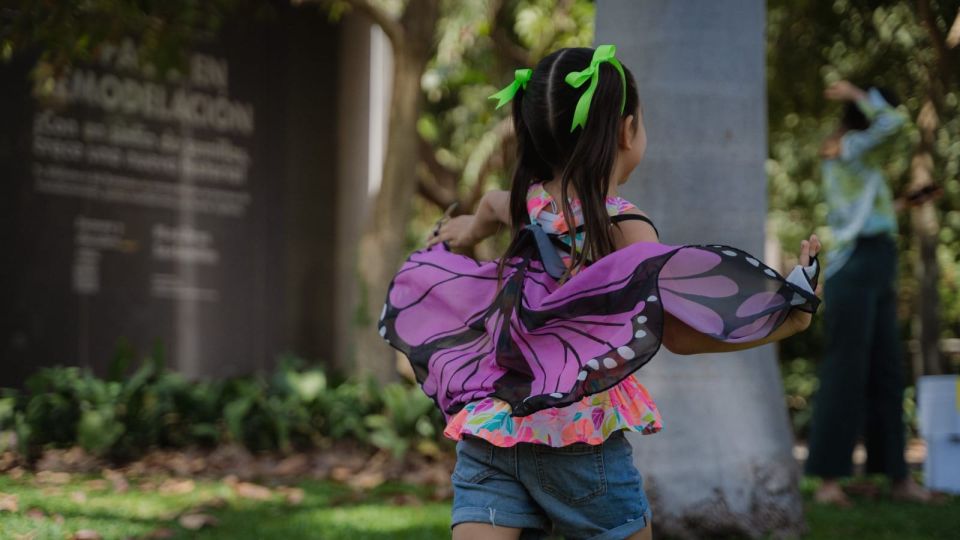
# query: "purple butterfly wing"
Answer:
x=536 y=344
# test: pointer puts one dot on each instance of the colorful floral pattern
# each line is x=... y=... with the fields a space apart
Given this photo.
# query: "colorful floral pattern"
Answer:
x=544 y=210
x=626 y=406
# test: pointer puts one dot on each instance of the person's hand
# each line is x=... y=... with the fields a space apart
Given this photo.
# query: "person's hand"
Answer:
x=844 y=91
x=456 y=232
x=831 y=147
x=800 y=320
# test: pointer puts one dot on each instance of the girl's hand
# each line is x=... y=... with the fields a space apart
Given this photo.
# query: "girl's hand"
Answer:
x=456 y=232
x=800 y=320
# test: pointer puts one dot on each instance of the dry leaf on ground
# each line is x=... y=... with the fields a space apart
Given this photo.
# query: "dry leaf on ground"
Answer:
x=117 y=480
x=159 y=534
x=96 y=485
x=292 y=466
x=174 y=486
x=248 y=490
x=86 y=534
x=194 y=522
x=9 y=502
x=293 y=495
x=52 y=477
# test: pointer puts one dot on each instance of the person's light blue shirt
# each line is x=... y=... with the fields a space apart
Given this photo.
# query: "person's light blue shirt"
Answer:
x=857 y=191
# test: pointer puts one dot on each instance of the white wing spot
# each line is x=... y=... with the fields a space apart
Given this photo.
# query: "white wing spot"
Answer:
x=582 y=376
x=609 y=363
x=769 y=272
x=753 y=261
x=556 y=395
x=729 y=253
x=384 y=312
x=383 y=331
x=640 y=334
x=642 y=319
x=593 y=364
x=626 y=352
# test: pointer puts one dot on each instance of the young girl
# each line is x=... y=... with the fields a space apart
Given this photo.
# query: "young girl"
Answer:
x=531 y=358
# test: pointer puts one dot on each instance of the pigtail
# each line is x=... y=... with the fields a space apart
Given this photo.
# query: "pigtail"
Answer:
x=590 y=166
x=529 y=168
x=543 y=113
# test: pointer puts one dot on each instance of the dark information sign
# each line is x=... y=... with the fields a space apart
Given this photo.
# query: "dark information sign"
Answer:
x=145 y=208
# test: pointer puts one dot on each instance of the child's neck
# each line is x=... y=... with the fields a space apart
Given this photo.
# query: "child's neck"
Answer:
x=553 y=188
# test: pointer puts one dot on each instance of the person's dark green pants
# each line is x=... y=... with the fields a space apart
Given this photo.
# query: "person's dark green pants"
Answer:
x=861 y=380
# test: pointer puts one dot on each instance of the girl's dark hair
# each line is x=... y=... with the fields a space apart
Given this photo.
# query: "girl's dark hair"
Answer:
x=542 y=116
x=854 y=119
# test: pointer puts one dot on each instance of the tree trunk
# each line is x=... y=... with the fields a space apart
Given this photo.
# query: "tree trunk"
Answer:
x=926 y=230
x=382 y=243
x=723 y=464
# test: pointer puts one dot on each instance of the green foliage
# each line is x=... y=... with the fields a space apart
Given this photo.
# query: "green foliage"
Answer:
x=68 y=32
x=812 y=43
x=295 y=407
x=478 y=50
x=409 y=418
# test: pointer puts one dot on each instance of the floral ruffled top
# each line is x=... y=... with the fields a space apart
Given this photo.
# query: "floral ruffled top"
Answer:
x=626 y=406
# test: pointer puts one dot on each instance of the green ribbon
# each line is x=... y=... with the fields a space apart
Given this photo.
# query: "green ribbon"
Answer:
x=520 y=79
x=603 y=53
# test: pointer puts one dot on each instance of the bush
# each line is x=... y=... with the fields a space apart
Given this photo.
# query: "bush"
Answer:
x=295 y=407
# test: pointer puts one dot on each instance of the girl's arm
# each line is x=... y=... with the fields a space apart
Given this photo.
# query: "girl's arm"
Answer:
x=678 y=337
x=469 y=229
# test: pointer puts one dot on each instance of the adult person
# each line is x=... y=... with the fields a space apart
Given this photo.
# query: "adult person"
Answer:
x=861 y=376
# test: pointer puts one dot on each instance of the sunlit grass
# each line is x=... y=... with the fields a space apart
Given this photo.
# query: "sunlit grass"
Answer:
x=328 y=510
x=333 y=511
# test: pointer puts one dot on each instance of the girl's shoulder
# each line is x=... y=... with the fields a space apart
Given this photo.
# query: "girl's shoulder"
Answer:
x=633 y=225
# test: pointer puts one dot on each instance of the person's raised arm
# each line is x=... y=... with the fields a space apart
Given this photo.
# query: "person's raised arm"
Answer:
x=493 y=211
x=885 y=119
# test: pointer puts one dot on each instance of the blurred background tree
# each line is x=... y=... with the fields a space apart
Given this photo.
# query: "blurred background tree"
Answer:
x=911 y=48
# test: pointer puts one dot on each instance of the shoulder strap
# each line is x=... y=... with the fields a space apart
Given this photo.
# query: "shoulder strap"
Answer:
x=628 y=217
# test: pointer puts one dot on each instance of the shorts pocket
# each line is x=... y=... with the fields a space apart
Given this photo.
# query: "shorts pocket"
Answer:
x=573 y=474
x=474 y=461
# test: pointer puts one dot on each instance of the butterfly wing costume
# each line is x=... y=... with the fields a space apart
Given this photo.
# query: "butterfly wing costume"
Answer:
x=537 y=342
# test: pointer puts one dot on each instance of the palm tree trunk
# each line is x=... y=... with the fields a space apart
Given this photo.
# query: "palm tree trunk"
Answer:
x=723 y=464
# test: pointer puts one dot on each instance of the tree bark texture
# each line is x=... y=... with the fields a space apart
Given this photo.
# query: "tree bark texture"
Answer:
x=723 y=464
x=382 y=243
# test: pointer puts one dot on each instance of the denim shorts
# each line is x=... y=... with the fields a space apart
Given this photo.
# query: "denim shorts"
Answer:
x=577 y=491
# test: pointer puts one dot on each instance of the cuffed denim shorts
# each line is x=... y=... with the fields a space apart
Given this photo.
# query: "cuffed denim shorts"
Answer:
x=577 y=491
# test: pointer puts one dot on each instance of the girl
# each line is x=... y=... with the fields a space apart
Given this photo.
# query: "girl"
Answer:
x=531 y=358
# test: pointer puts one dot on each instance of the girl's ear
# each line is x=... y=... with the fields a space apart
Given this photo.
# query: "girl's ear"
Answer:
x=625 y=140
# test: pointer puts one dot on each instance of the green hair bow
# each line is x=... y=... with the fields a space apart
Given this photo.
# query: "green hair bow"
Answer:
x=603 y=53
x=520 y=79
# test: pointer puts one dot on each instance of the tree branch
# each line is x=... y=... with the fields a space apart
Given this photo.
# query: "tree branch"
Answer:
x=430 y=190
x=953 y=36
x=442 y=174
x=504 y=132
x=945 y=62
x=390 y=25
x=509 y=53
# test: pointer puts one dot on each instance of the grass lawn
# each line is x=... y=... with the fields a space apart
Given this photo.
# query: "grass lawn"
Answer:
x=328 y=510
x=56 y=508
